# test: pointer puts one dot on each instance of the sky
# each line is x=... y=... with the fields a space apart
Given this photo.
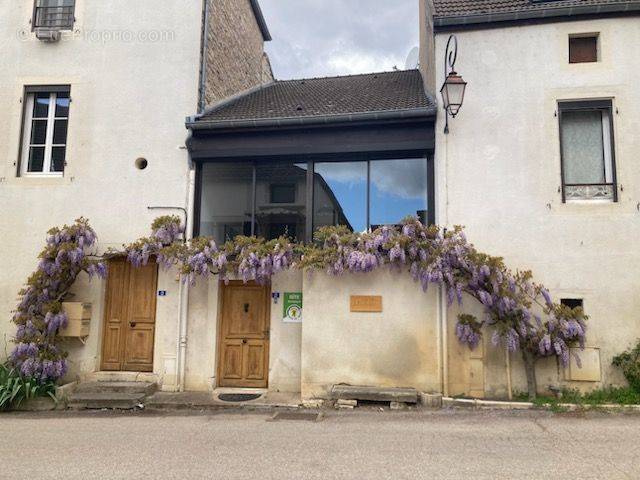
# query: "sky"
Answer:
x=316 y=38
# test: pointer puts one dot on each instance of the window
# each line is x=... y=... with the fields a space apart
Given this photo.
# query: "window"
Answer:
x=270 y=199
x=367 y=195
x=571 y=302
x=283 y=193
x=46 y=118
x=586 y=144
x=54 y=14
x=583 y=48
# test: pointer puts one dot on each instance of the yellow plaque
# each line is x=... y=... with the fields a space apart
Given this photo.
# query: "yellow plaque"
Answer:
x=366 y=303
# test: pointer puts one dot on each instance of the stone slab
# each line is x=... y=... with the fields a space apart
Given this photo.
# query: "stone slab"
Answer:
x=374 y=394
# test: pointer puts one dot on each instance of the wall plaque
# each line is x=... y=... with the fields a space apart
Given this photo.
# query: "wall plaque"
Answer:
x=366 y=303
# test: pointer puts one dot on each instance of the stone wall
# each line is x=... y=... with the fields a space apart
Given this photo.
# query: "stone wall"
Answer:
x=235 y=50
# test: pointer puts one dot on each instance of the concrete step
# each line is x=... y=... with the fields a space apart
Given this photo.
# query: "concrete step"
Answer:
x=374 y=394
x=146 y=388
x=111 y=400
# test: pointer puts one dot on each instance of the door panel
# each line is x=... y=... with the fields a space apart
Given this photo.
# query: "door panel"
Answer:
x=244 y=336
x=129 y=317
x=115 y=314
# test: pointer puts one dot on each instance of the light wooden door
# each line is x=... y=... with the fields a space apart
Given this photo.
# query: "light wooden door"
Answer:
x=243 y=341
x=129 y=320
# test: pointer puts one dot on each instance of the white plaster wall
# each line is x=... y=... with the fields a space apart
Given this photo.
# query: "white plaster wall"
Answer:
x=498 y=173
x=129 y=100
x=395 y=348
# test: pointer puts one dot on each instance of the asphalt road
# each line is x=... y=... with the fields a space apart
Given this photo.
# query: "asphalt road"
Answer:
x=344 y=445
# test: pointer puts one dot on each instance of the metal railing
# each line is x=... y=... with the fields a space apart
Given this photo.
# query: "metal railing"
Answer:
x=590 y=191
x=54 y=17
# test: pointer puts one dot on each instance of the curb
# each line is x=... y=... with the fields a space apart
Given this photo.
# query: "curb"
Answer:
x=500 y=405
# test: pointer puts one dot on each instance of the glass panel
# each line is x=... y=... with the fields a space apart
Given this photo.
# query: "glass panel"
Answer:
x=287 y=216
x=283 y=193
x=60 y=132
x=340 y=195
x=227 y=198
x=398 y=189
x=62 y=105
x=36 y=159
x=57 y=159
x=41 y=105
x=38 y=132
x=582 y=147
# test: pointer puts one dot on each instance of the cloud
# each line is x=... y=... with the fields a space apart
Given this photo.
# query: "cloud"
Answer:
x=313 y=38
x=397 y=178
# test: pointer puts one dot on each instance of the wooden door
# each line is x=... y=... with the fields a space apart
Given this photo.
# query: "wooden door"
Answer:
x=243 y=339
x=129 y=320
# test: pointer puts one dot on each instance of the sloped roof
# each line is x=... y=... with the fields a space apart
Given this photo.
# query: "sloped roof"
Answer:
x=525 y=9
x=311 y=98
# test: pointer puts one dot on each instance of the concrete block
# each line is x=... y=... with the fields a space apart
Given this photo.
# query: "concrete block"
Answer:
x=397 y=405
x=431 y=400
x=375 y=394
x=350 y=403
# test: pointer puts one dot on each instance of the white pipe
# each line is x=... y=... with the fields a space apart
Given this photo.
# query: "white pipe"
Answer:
x=444 y=341
x=184 y=287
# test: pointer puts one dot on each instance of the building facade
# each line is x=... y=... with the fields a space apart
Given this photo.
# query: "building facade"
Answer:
x=539 y=165
x=95 y=94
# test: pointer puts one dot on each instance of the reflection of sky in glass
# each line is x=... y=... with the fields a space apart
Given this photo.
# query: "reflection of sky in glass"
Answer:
x=398 y=189
x=348 y=183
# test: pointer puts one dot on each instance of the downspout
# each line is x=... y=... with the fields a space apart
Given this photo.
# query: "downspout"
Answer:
x=183 y=293
x=184 y=287
x=444 y=310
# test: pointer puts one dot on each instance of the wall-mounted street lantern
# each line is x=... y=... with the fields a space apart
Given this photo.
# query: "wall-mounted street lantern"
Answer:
x=453 y=88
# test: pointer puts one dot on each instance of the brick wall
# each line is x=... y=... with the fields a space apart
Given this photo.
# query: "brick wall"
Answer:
x=235 y=52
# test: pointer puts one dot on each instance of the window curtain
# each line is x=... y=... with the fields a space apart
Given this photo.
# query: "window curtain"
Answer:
x=583 y=147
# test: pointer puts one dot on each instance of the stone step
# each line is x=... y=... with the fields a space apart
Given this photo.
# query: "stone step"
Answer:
x=111 y=400
x=146 y=388
x=374 y=394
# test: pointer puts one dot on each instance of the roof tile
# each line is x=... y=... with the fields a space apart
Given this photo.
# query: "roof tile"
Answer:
x=312 y=97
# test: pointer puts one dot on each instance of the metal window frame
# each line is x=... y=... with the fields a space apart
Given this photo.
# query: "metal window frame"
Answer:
x=61 y=28
x=32 y=90
x=588 y=105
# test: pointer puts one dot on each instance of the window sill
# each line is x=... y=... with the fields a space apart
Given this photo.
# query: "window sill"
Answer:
x=39 y=180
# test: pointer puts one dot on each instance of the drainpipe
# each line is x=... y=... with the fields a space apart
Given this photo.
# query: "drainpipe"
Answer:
x=443 y=196
x=184 y=287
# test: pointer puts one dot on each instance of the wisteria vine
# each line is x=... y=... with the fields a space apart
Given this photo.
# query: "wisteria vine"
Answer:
x=518 y=313
x=39 y=315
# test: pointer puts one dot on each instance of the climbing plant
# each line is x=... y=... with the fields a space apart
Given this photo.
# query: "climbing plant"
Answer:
x=39 y=315
x=518 y=313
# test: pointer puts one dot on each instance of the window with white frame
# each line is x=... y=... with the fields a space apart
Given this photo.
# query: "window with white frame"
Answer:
x=587 y=149
x=44 y=142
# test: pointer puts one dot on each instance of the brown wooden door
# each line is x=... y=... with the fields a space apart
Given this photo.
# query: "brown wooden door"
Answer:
x=130 y=317
x=243 y=341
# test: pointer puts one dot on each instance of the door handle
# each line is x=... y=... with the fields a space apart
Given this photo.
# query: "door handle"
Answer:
x=132 y=324
x=244 y=340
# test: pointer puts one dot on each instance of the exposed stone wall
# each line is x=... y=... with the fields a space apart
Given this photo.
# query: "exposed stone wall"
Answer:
x=235 y=50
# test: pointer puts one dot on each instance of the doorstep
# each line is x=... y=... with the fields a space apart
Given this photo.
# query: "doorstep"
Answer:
x=209 y=400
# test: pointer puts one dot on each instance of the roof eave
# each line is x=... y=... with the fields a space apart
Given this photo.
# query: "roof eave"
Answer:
x=424 y=112
x=442 y=23
x=262 y=23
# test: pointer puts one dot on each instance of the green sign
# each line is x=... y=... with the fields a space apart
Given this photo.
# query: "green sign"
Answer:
x=292 y=307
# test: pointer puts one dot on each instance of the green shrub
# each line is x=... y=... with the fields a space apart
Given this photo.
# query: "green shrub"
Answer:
x=15 y=389
x=629 y=362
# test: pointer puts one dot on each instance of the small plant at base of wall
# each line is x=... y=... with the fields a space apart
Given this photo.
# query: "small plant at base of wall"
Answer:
x=629 y=362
